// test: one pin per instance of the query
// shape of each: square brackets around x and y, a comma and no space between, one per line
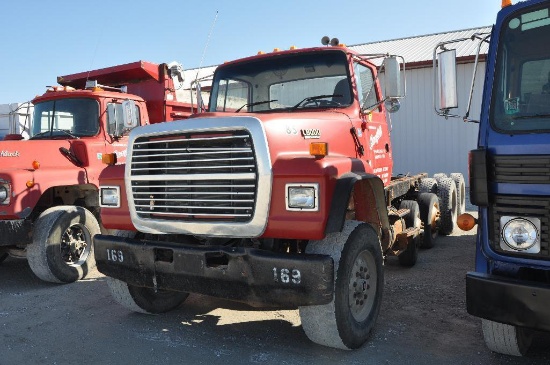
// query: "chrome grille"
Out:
[190,176]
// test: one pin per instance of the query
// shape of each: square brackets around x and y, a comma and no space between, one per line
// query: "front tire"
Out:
[347,321]
[62,247]
[506,339]
[142,299]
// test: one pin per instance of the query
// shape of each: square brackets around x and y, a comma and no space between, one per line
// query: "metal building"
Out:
[422,141]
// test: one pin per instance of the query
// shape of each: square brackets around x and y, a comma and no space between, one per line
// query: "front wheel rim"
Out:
[362,286]
[76,245]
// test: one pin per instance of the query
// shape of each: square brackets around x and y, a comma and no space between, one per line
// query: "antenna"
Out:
[95,52]
[200,103]
[206,45]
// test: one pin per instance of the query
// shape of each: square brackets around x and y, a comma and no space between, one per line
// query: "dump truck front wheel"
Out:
[62,246]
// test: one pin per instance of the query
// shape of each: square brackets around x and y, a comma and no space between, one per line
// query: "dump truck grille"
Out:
[190,176]
[524,206]
[533,169]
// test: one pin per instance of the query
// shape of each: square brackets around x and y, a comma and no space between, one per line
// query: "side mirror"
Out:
[392,105]
[129,116]
[121,116]
[392,78]
[448,96]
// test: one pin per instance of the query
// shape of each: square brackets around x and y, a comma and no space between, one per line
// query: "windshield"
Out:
[65,118]
[521,95]
[311,80]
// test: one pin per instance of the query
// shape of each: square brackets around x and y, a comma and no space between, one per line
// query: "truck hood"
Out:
[332,114]
[21,154]
[293,132]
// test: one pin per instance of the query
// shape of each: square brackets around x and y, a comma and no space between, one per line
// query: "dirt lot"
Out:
[423,321]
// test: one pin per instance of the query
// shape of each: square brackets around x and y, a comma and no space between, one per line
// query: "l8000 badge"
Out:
[311,133]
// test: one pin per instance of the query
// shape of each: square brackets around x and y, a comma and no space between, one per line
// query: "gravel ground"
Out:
[423,321]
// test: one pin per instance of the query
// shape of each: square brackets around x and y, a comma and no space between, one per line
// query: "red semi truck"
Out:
[282,195]
[49,207]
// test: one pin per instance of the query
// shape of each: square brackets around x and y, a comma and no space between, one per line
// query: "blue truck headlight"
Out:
[302,197]
[520,234]
[109,196]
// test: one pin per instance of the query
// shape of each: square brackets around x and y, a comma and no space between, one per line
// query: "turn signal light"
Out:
[466,221]
[109,158]
[35,165]
[30,184]
[318,149]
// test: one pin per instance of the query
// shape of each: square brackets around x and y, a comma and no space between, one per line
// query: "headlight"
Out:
[4,194]
[520,234]
[302,197]
[109,196]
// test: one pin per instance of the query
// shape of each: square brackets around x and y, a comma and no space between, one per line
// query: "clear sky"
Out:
[43,39]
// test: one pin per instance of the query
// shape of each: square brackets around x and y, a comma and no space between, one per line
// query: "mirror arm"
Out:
[482,38]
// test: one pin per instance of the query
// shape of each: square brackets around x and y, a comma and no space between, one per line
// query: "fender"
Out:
[369,199]
[116,218]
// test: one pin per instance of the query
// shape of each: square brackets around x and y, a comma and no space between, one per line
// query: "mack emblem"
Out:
[311,133]
[9,154]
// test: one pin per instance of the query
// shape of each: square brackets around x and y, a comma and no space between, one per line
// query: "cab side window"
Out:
[365,86]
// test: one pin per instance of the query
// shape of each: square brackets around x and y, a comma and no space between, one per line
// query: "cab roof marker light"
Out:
[506,3]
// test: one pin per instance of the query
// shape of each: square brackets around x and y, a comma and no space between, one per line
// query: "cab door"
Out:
[375,132]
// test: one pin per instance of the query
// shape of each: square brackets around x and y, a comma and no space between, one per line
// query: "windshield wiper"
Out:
[256,103]
[312,98]
[532,116]
[50,133]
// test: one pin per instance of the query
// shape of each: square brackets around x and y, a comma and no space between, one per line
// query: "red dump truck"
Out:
[49,207]
[281,195]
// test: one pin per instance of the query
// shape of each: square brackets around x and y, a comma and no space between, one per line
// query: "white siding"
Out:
[422,141]
[13,114]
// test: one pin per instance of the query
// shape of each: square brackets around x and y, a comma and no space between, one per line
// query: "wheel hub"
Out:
[74,244]
[361,286]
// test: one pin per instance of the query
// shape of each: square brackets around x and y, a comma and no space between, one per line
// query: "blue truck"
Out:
[509,174]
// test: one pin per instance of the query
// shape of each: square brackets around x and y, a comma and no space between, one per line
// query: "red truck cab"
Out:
[281,195]
[49,206]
